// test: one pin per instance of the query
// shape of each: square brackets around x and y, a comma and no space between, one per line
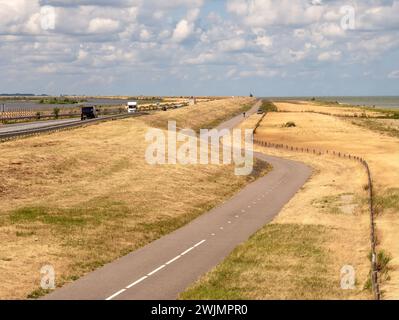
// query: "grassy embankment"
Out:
[79,199]
[196,118]
[326,225]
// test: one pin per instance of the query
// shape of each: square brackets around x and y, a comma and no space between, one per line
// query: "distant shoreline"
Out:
[384,102]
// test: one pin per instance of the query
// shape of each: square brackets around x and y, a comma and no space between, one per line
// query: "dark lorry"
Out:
[89,113]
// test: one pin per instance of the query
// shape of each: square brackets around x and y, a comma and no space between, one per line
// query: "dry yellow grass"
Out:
[328,220]
[300,255]
[81,198]
[381,151]
[301,106]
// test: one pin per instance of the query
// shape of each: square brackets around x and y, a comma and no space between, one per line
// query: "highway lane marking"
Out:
[116,294]
[155,271]
[187,251]
[136,282]
[237,216]
[199,243]
[229,222]
[243,211]
[173,260]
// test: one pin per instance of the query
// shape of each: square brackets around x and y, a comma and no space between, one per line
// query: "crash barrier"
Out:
[9,116]
[5,136]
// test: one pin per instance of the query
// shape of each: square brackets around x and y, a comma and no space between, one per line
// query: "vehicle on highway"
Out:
[88,113]
[132,107]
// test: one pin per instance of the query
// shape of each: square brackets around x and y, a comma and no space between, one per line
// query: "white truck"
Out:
[132,107]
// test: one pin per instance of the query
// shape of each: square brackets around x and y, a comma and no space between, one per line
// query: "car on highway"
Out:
[88,113]
[132,107]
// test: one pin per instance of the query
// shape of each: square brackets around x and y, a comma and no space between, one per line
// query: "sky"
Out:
[200,47]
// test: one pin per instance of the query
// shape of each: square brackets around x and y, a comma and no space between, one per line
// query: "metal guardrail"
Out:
[35,117]
[373,238]
[57,127]
[27,132]
[152,107]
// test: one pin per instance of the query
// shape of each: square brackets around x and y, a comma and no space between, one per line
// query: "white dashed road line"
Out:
[199,243]
[173,260]
[136,282]
[156,270]
[116,294]
[187,251]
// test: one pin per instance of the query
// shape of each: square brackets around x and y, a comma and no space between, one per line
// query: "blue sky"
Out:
[200,47]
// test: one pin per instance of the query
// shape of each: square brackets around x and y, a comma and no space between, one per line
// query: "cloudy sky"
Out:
[200,47]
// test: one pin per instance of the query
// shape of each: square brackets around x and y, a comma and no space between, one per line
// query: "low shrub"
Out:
[268,106]
[290,124]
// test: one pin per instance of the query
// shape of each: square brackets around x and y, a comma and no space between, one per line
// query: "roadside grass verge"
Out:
[281,261]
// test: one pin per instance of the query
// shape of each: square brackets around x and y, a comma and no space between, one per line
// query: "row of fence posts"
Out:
[259,122]
[374,262]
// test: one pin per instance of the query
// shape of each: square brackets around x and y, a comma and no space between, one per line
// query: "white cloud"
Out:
[394,74]
[124,38]
[101,25]
[260,13]
[203,58]
[264,41]
[235,44]
[182,31]
[330,56]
